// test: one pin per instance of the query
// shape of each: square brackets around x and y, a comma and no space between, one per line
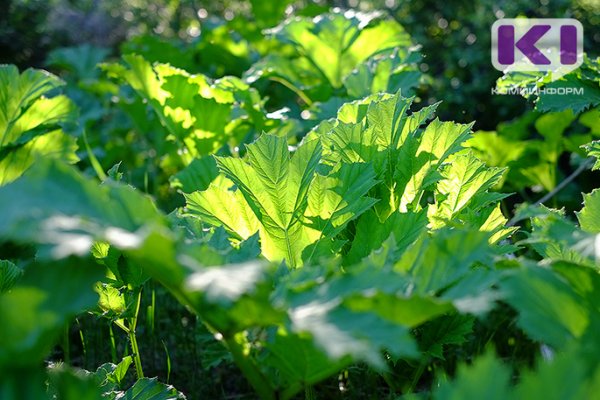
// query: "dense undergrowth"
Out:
[304,227]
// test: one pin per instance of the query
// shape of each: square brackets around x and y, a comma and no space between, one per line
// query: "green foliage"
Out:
[35,310]
[583,84]
[593,150]
[338,57]
[30,124]
[533,148]
[489,377]
[71,384]
[9,274]
[366,241]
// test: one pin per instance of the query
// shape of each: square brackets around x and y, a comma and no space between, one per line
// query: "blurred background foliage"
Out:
[224,38]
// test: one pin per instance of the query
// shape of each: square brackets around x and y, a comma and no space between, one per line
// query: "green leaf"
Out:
[561,378]
[356,313]
[385,73]
[21,106]
[29,121]
[119,373]
[446,330]
[68,383]
[298,361]
[71,211]
[9,275]
[495,149]
[111,300]
[465,181]
[578,102]
[340,197]
[200,114]
[275,187]
[34,312]
[232,297]
[476,292]
[268,13]
[114,173]
[549,309]
[557,238]
[220,205]
[371,233]
[196,176]
[438,261]
[487,378]
[148,388]
[327,49]
[576,91]
[489,219]
[81,60]
[341,332]
[589,216]
[593,150]
[17,160]
[421,158]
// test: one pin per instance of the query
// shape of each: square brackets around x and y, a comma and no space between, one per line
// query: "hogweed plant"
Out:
[373,243]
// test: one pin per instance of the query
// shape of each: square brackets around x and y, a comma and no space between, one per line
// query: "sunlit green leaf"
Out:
[589,217]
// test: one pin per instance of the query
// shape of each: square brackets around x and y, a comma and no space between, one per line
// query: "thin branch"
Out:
[584,166]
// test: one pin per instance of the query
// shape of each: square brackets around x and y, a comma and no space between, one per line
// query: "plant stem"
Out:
[250,370]
[93,160]
[132,338]
[113,344]
[83,345]
[309,393]
[585,165]
[294,89]
[136,355]
[417,377]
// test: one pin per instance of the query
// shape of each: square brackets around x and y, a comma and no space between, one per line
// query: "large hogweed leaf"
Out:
[30,122]
[275,186]
[70,383]
[295,205]
[439,261]
[378,130]
[384,73]
[72,211]
[55,144]
[411,163]
[556,304]
[371,233]
[361,53]
[465,183]
[220,205]
[338,198]
[420,159]
[200,114]
[22,107]
[75,214]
